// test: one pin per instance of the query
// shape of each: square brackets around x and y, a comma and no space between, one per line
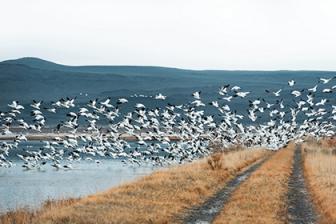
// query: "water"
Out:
[30,188]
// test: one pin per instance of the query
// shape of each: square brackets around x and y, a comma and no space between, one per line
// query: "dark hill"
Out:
[32,78]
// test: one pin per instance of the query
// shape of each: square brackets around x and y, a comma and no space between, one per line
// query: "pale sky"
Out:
[208,34]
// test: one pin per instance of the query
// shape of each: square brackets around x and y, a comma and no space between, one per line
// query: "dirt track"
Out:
[300,207]
[206,212]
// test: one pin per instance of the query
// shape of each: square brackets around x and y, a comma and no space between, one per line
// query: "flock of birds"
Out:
[171,134]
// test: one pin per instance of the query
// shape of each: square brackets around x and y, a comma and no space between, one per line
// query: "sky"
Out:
[195,34]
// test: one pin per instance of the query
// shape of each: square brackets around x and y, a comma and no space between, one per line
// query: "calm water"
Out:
[20,188]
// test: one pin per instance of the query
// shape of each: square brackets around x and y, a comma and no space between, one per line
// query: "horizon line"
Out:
[160,66]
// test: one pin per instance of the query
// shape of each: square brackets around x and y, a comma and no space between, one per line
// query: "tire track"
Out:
[300,207]
[206,212]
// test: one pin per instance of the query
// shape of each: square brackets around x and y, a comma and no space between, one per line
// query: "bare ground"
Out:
[300,207]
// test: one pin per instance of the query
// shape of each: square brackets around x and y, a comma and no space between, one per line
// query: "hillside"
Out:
[32,78]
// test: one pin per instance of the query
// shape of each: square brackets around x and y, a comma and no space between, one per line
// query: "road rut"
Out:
[207,212]
[300,207]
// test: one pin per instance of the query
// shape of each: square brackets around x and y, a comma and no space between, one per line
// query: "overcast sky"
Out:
[209,34]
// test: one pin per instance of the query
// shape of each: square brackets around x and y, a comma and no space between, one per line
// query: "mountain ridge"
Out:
[31,78]
[36,62]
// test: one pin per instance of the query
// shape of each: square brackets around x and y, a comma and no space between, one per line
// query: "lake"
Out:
[20,188]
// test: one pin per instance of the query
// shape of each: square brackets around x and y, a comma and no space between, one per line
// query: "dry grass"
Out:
[262,198]
[320,172]
[157,198]
[215,161]
[26,216]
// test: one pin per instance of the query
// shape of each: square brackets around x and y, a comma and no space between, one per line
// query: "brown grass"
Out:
[25,216]
[262,198]
[215,161]
[157,198]
[320,172]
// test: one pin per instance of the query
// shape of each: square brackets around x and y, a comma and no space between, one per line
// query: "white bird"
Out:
[122,101]
[277,93]
[322,102]
[198,103]
[296,93]
[214,103]
[106,103]
[160,97]
[313,89]
[242,94]
[223,90]
[252,116]
[140,106]
[291,82]
[325,81]
[197,95]
[327,90]
[228,98]
[235,88]
[51,110]
[36,105]
[15,105]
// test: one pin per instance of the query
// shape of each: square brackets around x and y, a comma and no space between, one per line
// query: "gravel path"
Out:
[300,208]
[210,209]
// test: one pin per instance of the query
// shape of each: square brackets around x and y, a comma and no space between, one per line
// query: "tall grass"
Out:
[28,216]
[320,172]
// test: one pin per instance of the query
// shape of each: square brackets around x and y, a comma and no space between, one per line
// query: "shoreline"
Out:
[193,182]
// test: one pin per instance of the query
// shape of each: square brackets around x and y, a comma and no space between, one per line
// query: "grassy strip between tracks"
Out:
[262,198]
